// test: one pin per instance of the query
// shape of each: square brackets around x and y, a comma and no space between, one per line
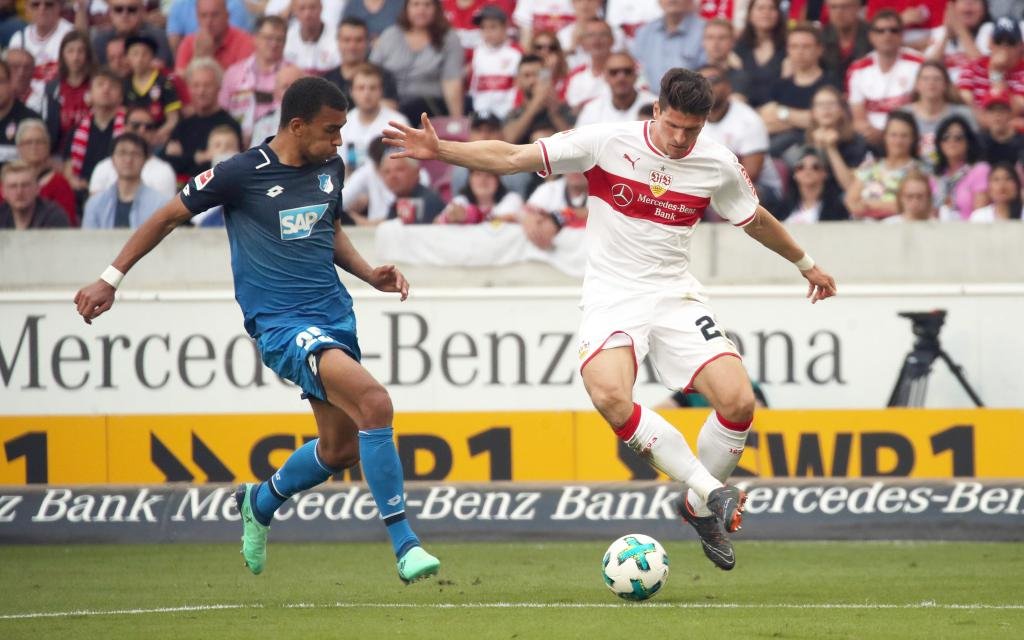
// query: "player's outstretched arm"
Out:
[768,231]
[94,299]
[384,278]
[494,156]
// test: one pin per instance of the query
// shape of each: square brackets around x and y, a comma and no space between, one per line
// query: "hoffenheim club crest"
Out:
[326,185]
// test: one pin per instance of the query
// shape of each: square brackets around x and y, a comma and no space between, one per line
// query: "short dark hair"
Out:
[307,96]
[806,28]
[109,74]
[352,21]
[6,68]
[275,21]
[685,91]
[887,14]
[130,138]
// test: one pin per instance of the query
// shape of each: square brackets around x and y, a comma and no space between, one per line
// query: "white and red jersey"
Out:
[461,18]
[316,57]
[630,15]
[643,206]
[543,15]
[46,52]
[881,92]
[583,85]
[603,109]
[493,82]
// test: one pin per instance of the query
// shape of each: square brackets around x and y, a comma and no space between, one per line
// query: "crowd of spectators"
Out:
[884,110]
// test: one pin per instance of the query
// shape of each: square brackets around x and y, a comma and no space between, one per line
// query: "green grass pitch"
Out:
[518,590]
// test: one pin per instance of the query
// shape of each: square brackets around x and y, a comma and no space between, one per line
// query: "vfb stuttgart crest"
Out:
[660,181]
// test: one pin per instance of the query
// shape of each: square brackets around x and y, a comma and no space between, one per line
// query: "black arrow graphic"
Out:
[166,461]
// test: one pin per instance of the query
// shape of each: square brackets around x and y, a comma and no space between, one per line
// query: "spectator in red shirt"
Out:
[33,143]
[215,38]
[1002,73]
[67,91]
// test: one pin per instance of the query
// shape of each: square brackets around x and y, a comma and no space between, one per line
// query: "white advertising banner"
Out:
[493,349]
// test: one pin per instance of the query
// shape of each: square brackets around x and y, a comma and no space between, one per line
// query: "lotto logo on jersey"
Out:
[203,179]
[298,223]
[660,182]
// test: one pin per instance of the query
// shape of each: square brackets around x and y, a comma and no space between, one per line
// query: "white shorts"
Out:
[681,336]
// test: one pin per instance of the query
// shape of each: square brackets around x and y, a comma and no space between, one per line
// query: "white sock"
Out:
[666,449]
[719,448]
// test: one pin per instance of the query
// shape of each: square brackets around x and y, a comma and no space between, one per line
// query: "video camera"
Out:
[926,324]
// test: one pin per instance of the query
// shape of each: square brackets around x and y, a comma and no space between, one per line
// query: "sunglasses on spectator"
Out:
[621,71]
[889,30]
[545,46]
[148,126]
[122,8]
[45,5]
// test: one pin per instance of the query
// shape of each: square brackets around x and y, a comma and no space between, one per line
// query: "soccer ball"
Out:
[635,567]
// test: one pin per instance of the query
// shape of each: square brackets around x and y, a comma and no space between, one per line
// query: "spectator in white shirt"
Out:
[369,117]
[587,82]
[42,39]
[736,125]
[571,36]
[495,62]
[311,44]
[157,174]
[883,80]
[622,102]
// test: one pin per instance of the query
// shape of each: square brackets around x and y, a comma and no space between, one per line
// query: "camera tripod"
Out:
[912,382]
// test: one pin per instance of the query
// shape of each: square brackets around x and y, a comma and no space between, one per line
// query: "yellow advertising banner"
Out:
[518,446]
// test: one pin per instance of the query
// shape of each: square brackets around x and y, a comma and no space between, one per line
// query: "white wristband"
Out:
[112,276]
[804,263]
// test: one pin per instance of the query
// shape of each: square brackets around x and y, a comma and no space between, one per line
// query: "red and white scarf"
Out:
[80,139]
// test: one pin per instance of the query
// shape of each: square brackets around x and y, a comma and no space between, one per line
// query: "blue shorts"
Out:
[290,351]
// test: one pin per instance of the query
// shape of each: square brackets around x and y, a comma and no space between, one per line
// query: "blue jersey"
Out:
[280,223]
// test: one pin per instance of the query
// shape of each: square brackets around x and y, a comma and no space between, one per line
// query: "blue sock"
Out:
[383,472]
[302,470]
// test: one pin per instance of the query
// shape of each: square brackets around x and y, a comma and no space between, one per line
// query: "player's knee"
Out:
[375,409]
[340,455]
[613,403]
[738,406]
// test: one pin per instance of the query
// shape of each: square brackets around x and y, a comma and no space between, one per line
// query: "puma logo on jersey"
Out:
[298,223]
[632,161]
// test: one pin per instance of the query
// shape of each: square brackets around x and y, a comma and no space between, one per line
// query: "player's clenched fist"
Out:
[94,299]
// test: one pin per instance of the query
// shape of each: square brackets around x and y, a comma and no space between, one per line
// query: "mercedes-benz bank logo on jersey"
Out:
[622,194]
[298,223]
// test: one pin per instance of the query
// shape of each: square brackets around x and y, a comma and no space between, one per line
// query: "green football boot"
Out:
[417,564]
[254,534]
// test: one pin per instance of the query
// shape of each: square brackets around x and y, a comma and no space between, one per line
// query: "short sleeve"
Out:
[571,151]
[735,200]
[215,186]
[856,93]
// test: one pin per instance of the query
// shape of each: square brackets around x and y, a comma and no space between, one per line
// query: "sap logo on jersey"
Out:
[298,223]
